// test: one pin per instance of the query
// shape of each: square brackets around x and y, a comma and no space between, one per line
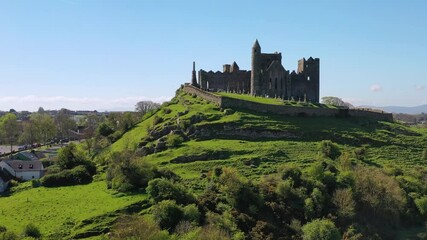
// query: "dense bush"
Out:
[168,214]
[157,120]
[75,176]
[126,172]
[69,157]
[104,130]
[320,229]
[31,230]
[424,156]
[421,204]
[8,236]
[329,149]
[162,189]
[379,196]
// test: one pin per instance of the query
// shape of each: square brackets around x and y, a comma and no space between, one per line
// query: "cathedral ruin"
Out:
[267,78]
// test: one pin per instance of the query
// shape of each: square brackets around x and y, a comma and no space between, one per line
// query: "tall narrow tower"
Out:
[256,69]
[193,76]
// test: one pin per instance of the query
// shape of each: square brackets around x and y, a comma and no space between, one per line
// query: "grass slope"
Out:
[237,139]
[63,208]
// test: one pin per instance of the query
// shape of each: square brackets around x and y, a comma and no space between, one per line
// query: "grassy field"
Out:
[64,208]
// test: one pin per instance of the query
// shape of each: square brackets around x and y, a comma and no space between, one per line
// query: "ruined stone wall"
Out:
[380,116]
[203,94]
[238,81]
[227,102]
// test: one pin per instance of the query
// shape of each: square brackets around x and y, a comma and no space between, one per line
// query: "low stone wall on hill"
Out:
[227,102]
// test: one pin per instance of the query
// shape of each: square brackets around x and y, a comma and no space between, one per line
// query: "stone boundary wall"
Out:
[203,94]
[227,102]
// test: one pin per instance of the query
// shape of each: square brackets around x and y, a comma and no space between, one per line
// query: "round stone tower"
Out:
[256,69]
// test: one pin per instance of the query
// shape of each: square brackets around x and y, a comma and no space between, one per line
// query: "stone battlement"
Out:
[227,102]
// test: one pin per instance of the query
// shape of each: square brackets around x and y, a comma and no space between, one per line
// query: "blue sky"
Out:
[93,54]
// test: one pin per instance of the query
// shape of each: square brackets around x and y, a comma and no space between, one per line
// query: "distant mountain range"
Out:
[407,110]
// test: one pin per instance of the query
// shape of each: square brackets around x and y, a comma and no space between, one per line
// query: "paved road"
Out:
[6,148]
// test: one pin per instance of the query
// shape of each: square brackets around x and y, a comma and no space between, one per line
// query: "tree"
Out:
[320,229]
[64,122]
[44,125]
[145,106]
[9,128]
[336,102]
[69,157]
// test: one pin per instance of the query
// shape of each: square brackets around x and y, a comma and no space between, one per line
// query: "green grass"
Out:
[387,143]
[87,207]
[273,101]
[53,209]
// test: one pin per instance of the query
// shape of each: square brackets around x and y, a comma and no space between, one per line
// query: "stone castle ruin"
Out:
[267,78]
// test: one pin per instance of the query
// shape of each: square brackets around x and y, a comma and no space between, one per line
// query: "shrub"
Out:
[125,172]
[3,229]
[167,214]
[320,229]
[174,140]
[191,213]
[329,149]
[31,230]
[380,197]
[424,156]
[162,189]
[421,204]
[157,120]
[8,236]
[104,130]
[75,176]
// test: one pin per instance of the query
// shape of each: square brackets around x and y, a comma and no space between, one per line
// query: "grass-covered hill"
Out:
[195,139]
[235,174]
[257,143]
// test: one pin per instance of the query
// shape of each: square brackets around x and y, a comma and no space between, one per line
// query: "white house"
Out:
[24,170]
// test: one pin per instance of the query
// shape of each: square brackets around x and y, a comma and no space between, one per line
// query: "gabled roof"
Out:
[273,64]
[26,156]
[23,166]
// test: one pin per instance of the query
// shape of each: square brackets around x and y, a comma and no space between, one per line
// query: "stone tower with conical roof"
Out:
[256,67]
[193,76]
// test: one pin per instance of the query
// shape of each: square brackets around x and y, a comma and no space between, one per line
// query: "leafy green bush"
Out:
[162,189]
[191,213]
[174,140]
[157,120]
[168,214]
[424,156]
[104,130]
[3,229]
[8,236]
[320,229]
[69,157]
[421,204]
[126,172]
[31,230]
[329,149]
[379,196]
[75,176]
